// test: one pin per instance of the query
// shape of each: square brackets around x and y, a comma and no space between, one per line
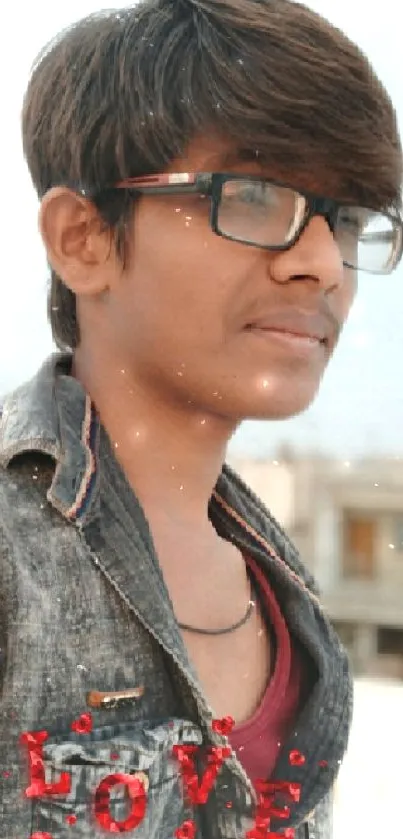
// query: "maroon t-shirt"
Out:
[257,741]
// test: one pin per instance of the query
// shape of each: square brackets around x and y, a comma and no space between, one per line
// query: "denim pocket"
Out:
[143,751]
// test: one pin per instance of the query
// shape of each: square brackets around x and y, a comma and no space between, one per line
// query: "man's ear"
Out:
[77,241]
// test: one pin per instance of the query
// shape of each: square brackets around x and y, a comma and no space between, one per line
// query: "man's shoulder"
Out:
[15,508]
[23,486]
[31,439]
[29,415]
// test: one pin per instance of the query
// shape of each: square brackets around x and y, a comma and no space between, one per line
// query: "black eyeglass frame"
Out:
[210,184]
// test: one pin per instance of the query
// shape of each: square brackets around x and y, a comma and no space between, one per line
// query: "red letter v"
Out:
[198,791]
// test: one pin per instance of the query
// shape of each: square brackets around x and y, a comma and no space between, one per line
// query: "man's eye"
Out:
[258,194]
[251,196]
[351,220]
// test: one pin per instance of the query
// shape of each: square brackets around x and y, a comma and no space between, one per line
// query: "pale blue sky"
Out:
[360,406]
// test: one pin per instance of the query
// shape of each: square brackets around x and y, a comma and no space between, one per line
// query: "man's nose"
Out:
[315,255]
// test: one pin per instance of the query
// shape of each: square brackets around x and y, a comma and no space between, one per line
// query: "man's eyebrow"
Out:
[320,183]
[234,158]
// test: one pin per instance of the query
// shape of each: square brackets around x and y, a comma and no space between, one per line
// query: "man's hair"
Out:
[122,93]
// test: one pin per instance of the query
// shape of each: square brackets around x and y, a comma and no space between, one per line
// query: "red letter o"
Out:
[136,792]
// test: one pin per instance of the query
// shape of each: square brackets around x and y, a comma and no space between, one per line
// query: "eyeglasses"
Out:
[271,215]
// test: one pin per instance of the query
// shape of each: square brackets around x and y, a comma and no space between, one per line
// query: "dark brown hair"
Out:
[121,94]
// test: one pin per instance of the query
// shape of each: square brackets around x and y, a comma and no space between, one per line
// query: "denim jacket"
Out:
[84,608]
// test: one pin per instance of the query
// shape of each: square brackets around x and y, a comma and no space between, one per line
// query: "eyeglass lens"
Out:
[261,213]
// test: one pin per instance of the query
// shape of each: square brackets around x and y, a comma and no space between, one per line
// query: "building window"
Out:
[390,641]
[360,538]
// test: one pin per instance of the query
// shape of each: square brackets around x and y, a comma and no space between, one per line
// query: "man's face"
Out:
[212,322]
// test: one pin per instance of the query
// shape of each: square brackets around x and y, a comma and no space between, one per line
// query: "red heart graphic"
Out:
[223,726]
[187,830]
[83,725]
[71,819]
[297,758]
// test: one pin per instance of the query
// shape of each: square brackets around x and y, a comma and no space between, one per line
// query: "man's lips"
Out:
[314,326]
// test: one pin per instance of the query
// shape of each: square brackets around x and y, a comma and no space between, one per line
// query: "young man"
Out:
[212,174]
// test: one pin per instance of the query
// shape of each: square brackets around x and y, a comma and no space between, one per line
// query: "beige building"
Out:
[347,520]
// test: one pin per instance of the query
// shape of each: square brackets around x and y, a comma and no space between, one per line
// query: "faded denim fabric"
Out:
[84,607]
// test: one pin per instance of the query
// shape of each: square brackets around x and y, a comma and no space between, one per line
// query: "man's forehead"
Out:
[214,154]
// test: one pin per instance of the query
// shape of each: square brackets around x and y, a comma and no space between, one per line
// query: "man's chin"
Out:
[277,415]
[282,406]
[270,401]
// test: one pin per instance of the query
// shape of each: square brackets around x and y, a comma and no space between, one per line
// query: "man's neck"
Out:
[172,454]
